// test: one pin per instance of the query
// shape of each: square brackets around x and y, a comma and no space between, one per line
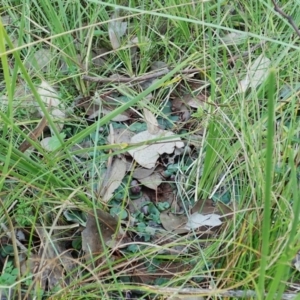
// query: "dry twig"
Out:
[286,16]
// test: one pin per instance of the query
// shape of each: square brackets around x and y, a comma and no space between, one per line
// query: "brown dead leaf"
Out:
[189,100]
[174,223]
[120,136]
[176,206]
[34,134]
[147,155]
[140,173]
[203,215]
[181,108]
[95,238]
[208,206]
[119,118]
[152,181]
[177,104]
[164,193]
[152,124]
[197,101]
[208,213]
[112,179]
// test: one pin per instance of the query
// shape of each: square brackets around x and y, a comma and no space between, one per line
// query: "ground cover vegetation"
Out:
[149,149]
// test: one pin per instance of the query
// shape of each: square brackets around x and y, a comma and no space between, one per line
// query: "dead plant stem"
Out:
[286,16]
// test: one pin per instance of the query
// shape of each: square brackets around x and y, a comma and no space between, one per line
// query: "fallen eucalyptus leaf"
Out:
[140,173]
[112,179]
[147,155]
[174,223]
[120,136]
[197,220]
[92,243]
[152,124]
[50,98]
[256,74]
[116,29]
[235,38]
[152,181]
[208,206]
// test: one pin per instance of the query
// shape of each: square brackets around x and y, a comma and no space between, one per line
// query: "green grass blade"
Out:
[267,204]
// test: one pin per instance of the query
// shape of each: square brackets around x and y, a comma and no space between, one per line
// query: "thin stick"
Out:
[286,16]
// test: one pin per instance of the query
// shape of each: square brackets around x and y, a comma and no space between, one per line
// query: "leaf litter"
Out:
[149,217]
[134,181]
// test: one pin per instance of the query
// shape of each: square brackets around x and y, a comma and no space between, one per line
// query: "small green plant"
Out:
[24,214]
[9,275]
